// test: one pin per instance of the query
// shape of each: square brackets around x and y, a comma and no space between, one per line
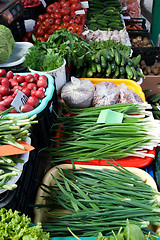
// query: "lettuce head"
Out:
[7,43]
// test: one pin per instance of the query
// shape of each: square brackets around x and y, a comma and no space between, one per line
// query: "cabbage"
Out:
[7,43]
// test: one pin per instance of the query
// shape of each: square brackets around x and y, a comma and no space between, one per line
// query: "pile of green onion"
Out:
[98,201]
[80,138]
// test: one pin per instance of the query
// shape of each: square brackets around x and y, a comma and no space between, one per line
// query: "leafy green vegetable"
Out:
[7,43]
[17,227]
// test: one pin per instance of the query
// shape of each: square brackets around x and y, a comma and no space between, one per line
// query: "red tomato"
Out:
[73,14]
[45,26]
[66,18]
[57,16]
[40,32]
[57,4]
[65,24]
[65,4]
[40,39]
[75,6]
[72,29]
[74,1]
[46,36]
[65,11]
[77,19]
[41,17]
[2,72]
[47,15]
[38,23]
[29,35]
[51,8]
[51,30]
[58,22]
[71,21]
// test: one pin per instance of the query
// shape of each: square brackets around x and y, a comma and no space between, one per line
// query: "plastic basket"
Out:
[148,54]
[40,214]
[141,22]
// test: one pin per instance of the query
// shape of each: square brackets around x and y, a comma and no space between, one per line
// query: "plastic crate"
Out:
[22,196]
[32,12]
[18,29]
[141,22]
[148,54]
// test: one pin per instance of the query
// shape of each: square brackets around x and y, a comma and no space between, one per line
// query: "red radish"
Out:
[29,78]
[24,84]
[13,82]
[33,92]
[9,74]
[26,91]
[13,111]
[2,72]
[1,98]
[5,82]
[26,108]
[16,76]
[20,79]
[40,94]
[34,101]
[36,76]
[32,86]
[2,108]
[41,89]
[7,101]
[42,83]
[16,87]
[4,90]
[15,93]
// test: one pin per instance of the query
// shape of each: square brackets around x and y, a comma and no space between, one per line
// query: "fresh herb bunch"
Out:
[16,226]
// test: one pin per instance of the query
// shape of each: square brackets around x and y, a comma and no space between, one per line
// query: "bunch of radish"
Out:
[32,85]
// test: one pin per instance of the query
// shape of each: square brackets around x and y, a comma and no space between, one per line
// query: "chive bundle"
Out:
[98,201]
[80,138]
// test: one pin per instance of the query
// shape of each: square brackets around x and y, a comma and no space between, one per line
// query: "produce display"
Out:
[32,85]
[104,15]
[98,200]
[58,15]
[85,135]
[27,3]
[7,43]
[154,100]
[13,225]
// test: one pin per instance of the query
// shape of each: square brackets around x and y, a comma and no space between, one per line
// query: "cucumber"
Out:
[98,67]
[137,60]
[89,73]
[122,70]
[98,57]
[117,57]
[108,70]
[93,68]
[135,74]
[130,63]
[129,72]
[113,67]
[103,62]
[123,60]
[117,71]
[84,73]
[107,55]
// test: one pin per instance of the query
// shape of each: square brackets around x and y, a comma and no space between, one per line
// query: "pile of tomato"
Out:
[58,15]
[32,85]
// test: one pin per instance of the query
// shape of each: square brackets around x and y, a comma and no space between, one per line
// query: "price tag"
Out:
[85,4]
[126,17]
[80,12]
[19,100]
[124,8]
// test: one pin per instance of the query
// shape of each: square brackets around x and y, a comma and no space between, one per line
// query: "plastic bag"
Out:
[78,93]
[133,8]
[106,93]
[127,95]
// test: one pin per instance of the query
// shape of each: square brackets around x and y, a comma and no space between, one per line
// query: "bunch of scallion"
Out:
[80,138]
[98,201]
[14,129]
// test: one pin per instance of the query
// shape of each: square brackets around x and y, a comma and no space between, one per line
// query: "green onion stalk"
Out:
[79,137]
[97,201]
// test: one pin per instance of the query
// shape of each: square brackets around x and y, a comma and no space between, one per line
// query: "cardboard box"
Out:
[152,83]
